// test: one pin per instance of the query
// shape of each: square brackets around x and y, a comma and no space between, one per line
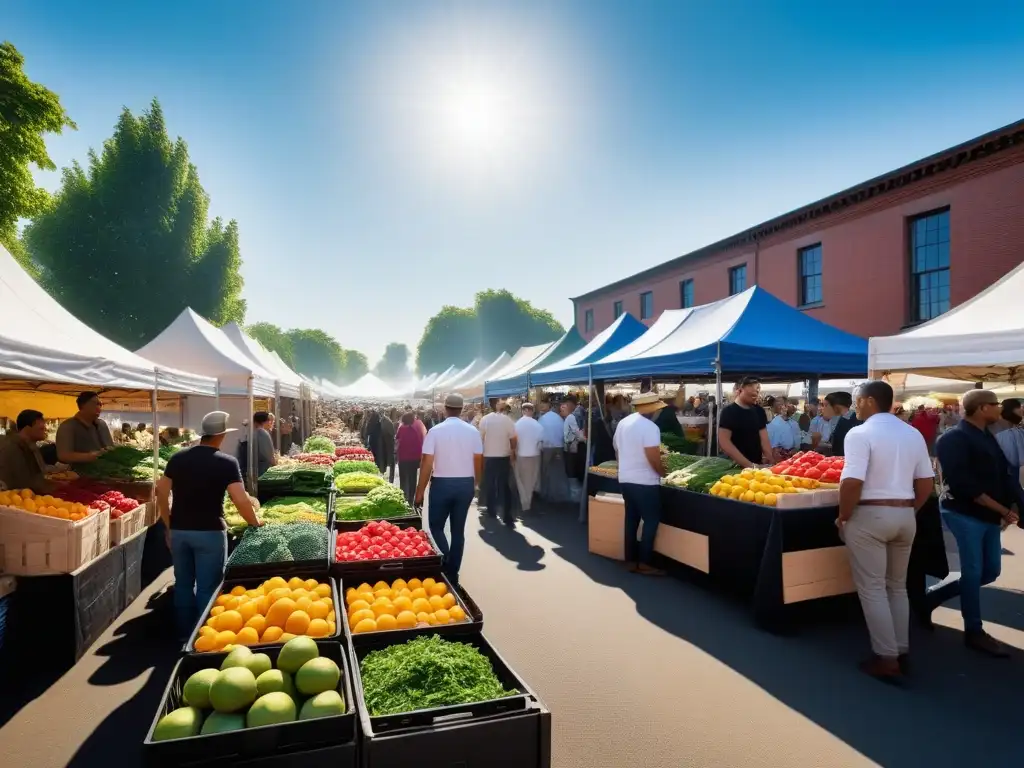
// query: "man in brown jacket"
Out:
[21,464]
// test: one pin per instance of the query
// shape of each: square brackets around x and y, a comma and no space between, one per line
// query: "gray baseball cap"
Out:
[216,423]
[454,400]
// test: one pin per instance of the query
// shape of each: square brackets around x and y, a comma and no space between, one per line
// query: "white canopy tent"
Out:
[289,382]
[980,340]
[473,387]
[44,347]
[456,380]
[370,386]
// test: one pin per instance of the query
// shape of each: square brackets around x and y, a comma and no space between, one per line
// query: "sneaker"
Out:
[982,642]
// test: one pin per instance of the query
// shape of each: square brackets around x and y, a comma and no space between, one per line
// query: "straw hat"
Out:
[648,403]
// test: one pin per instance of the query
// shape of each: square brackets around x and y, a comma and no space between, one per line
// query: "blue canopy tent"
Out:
[573,367]
[515,381]
[749,333]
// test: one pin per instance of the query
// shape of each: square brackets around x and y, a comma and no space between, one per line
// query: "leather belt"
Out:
[886,503]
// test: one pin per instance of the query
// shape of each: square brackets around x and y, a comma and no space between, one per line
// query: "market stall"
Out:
[514,379]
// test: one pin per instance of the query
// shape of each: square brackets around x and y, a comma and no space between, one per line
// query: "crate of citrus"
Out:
[760,486]
[267,613]
[42,534]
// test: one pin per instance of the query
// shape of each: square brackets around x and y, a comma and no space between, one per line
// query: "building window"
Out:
[737,279]
[929,266]
[646,305]
[686,293]
[588,320]
[809,260]
[618,309]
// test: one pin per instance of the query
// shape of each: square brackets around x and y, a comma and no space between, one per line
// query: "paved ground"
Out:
[638,672]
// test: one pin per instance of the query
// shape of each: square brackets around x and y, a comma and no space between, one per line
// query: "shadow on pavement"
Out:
[144,643]
[957,706]
[511,544]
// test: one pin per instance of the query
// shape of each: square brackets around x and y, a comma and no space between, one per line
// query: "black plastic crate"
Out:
[475,624]
[250,583]
[286,568]
[522,740]
[422,718]
[339,756]
[251,742]
[366,568]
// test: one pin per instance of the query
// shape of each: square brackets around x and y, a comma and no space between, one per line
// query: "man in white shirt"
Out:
[780,432]
[529,438]
[553,482]
[886,479]
[452,462]
[819,426]
[637,444]
[498,433]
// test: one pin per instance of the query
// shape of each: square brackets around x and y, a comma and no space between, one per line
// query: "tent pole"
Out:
[156,433]
[277,405]
[589,443]
[715,416]
[250,447]
[216,396]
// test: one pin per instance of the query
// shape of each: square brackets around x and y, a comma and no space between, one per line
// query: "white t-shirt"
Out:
[634,433]
[551,423]
[497,431]
[530,435]
[780,433]
[888,455]
[453,443]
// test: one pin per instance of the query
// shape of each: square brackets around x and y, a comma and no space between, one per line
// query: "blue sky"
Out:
[386,158]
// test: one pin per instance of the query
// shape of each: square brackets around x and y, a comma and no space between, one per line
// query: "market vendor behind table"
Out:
[84,437]
[21,463]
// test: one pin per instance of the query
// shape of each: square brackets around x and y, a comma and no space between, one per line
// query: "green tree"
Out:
[28,111]
[394,364]
[355,365]
[274,339]
[498,322]
[127,243]
[317,354]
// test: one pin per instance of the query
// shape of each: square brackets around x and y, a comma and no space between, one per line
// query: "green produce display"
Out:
[678,444]
[676,461]
[238,700]
[123,462]
[296,478]
[341,467]
[280,544]
[281,510]
[701,475]
[357,482]
[380,503]
[317,444]
[425,673]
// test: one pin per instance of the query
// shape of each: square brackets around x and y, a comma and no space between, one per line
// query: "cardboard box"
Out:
[606,523]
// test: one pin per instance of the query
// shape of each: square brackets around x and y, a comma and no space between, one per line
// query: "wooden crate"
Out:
[127,525]
[37,545]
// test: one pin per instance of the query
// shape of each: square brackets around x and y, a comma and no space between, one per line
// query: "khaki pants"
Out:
[527,472]
[879,541]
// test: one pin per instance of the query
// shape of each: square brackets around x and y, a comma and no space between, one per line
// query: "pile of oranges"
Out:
[27,501]
[274,612]
[401,605]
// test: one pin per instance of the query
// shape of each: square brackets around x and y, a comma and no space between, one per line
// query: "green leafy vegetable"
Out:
[425,673]
[317,444]
[357,482]
[340,467]
[280,544]
[675,461]
[678,444]
[379,504]
[297,478]
[123,462]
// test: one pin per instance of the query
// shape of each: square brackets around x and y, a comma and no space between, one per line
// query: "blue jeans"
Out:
[450,498]
[981,555]
[497,471]
[643,502]
[198,558]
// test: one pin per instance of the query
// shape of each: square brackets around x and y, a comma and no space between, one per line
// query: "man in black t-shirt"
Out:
[743,427]
[196,536]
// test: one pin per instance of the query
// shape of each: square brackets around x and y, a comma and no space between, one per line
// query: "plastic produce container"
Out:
[228,584]
[365,569]
[475,624]
[263,571]
[287,743]
[514,732]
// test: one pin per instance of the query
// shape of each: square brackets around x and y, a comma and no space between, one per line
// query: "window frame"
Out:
[617,309]
[801,277]
[733,271]
[913,286]
[643,314]
[588,320]
[683,285]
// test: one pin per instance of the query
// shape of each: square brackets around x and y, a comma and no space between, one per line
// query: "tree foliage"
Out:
[394,364]
[274,339]
[126,244]
[27,112]
[498,322]
[311,352]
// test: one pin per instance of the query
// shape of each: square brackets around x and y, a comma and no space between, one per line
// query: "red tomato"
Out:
[813,473]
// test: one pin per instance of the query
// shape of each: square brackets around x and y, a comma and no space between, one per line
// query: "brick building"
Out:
[874,259]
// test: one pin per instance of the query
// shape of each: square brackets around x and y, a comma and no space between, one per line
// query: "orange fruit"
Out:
[278,594]
[205,631]
[457,613]
[232,603]
[438,589]
[230,621]
[238,591]
[262,605]
[350,595]
[323,590]
[406,620]
[431,619]
[357,605]
[299,593]
[386,622]
[275,582]
[303,603]
[248,610]
[418,593]
[222,598]
[271,635]
[449,600]
[247,636]
[422,618]
[330,617]
[285,637]
[320,610]
[311,584]
[398,584]
[259,623]
[295,582]
[329,602]
[442,616]
[358,616]
[332,628]
[217,610]
[224,638]
[365,595]
[403,604]
[381,585]
[297,623]
[280,611]
[428,583]
[384,609]
[421,605]
[206,643]
[405,592]
[366,625]
[414,584]
[382,593]
[436,602]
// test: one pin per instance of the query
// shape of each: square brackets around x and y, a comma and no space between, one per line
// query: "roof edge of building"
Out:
[948,159]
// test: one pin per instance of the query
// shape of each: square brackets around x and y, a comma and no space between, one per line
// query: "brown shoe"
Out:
[982,642]
[886,670]
[648,570]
